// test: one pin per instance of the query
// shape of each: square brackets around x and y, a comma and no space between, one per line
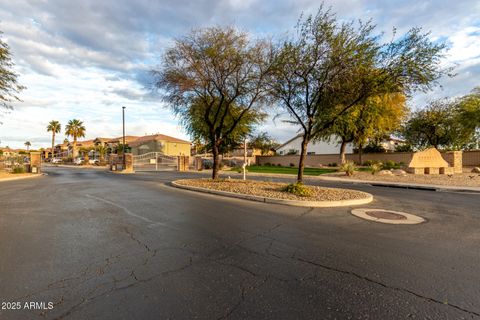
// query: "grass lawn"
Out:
[289,170]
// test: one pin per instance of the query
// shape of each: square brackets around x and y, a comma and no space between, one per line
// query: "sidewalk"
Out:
[24,176]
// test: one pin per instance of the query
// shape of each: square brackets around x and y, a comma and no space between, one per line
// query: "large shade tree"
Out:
[27,144]
[75,129]
[329,67]
[375,119]
[214,80]
[9,86]
[440,124]
[54,127]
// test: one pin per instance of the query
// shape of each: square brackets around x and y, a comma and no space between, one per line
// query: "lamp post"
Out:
[123,120]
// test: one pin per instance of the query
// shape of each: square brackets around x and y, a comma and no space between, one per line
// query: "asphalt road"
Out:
[97,245]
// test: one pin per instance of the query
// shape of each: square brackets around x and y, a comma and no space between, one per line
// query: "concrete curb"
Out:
[23,177]
[75,166]
[317,204]
[429,187]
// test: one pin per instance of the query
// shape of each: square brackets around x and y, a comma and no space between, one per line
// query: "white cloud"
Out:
[85,59]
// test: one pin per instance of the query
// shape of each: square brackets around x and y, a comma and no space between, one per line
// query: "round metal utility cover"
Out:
[387,216]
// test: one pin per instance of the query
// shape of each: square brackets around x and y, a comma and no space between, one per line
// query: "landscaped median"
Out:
[274,192]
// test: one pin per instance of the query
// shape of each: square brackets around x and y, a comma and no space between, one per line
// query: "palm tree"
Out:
[55,127]
[27,144]
[76,129]
[102,149]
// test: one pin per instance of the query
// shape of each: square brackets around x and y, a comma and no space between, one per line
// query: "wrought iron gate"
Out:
[154,161]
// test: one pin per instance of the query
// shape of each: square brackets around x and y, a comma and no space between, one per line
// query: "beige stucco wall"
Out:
[469,158]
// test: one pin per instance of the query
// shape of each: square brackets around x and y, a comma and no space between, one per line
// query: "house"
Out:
[294,146]
[392,143]
[160,143]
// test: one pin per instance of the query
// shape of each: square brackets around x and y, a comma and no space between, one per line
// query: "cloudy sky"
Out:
[86,59]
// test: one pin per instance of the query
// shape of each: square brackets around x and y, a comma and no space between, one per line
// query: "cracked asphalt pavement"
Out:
[99,245]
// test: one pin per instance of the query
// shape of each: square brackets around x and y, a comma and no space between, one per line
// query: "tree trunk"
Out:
[216,162]
[303,155]
[53,144]
[360,154]
[343,147]
[74,151]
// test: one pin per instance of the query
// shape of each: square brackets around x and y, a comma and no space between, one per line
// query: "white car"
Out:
[78,161]
[94,162]
[56,160]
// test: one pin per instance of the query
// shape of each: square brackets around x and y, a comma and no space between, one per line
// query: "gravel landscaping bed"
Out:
[273,190]
[459,179]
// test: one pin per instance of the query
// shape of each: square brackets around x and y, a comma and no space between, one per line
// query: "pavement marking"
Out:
[151,223]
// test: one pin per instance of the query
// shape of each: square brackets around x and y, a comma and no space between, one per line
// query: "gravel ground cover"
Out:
[459,179]
[273,189]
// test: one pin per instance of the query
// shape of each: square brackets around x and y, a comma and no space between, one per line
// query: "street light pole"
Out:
[123,120]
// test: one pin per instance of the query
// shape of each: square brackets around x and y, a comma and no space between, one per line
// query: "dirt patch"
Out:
[7,175]
[273,190]
[459,179]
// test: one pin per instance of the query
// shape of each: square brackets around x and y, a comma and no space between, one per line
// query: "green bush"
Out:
[298,189]
[389,164]
[368,163]
[348,167]
[375,167]
[18,170]
[292,165]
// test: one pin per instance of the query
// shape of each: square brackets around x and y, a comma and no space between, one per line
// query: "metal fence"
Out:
[154,161]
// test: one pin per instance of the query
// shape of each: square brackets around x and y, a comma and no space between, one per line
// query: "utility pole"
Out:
[123,119]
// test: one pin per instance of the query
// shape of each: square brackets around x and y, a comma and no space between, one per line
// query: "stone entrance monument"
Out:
[429,161]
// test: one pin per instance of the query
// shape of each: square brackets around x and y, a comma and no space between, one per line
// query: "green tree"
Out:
[9,86]
[328,67]
[75,129]
[27,144]
[54,127]
[469,108]
[438,125]
[264,142]
[214,79]
[374,120]
[102,150]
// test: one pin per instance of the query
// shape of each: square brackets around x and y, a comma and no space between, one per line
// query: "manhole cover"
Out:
[386,215]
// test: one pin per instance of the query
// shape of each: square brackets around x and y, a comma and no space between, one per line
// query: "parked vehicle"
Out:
[56,160]
[78,161]
[95,162]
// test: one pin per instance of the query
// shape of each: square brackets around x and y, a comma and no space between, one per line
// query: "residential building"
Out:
[160,143]
[294,146]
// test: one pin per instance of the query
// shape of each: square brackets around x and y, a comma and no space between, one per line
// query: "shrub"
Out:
[267,164]
[375,167]
[292,165]
[348,167]
[18,170]
[207,164]
[368,163]
[389,164]
[298,189]
[333,164]
[279,164]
